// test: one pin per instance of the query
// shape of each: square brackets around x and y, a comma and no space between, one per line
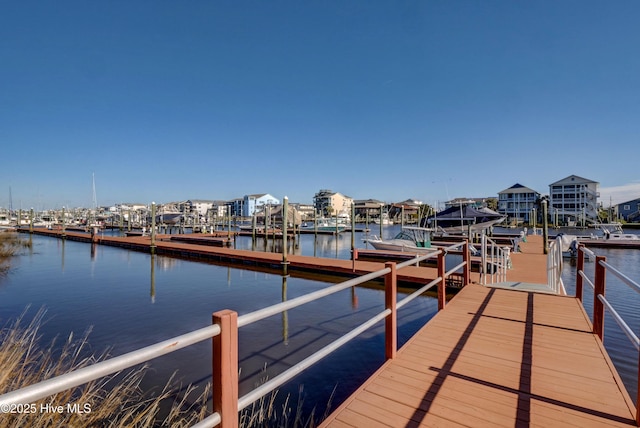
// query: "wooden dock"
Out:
[203,247]
[497,357]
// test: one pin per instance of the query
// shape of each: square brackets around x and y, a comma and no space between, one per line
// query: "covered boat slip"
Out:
[496,357]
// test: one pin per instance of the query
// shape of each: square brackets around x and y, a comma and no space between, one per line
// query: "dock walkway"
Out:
[497,357]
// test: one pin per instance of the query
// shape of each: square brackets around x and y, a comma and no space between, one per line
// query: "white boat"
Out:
[463,219]
[168,214]
[324,224]
[614,232]
[384,220]
[415,240]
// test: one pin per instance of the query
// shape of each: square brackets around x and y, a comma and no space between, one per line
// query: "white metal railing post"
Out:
[483,260]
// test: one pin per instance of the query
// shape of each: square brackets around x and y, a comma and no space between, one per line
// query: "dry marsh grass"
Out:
[112,401]
[10,245]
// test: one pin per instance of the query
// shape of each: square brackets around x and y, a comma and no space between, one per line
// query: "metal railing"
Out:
[495,261]
[224,332]
[554,267]
[600,302]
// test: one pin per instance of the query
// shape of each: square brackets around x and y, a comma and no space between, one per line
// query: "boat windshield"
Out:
[420,236]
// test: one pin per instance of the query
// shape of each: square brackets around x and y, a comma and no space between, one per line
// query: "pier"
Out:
[504,355]
[513,353]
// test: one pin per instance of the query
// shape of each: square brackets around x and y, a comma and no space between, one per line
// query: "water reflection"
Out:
[285,314]
[153,278]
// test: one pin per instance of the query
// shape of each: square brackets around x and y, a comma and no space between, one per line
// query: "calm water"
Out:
[133,299]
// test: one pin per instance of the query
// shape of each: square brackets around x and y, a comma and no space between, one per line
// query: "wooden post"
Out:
[153,227]
[63,224]
[380,218]
[467,267]
[390,322]
[442,291]
[598,306]
[545,228]
[580,267]
[353,237]
[225,368]
[31,221]
[285,226]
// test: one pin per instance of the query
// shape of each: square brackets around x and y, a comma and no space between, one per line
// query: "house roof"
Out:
[518,188]
[631,202]
[572,179]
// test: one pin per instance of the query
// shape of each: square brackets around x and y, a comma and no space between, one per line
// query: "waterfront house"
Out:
[629,211]
[371,207]
[256,203]
[198,206]
[409,208]
[574,200]
[518,202]
[328,202]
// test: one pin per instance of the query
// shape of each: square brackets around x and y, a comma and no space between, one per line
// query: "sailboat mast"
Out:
[95,198]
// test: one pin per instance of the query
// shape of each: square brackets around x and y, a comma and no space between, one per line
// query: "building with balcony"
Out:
[332,203]
[518,202]
[255,203]
[573,201]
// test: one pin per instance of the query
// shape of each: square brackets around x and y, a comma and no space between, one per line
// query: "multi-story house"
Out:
[198,206]
[518,202]
[574,200]
[255,203]
[630,210]
[331,203]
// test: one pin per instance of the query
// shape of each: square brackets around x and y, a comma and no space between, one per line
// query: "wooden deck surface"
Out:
[497,358]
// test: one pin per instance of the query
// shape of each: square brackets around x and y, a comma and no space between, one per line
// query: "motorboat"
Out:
[614,232]
[415,240]
[326,224]
[168,214]
[384,220]
[463,219]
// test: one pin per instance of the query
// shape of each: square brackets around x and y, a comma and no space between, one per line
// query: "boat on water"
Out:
[614,232]
[410,240]
[168,214]
[463,219]
[326,224]
[384,220]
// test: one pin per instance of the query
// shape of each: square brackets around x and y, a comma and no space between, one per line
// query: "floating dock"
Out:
[503,356]
[204,247]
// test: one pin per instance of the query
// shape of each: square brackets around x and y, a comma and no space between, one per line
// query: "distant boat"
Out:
[463,219]
[384,220]
[614,232]
[168,214]
[324,224]
[410,240]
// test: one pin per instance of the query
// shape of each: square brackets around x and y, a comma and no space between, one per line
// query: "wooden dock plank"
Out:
[498,357]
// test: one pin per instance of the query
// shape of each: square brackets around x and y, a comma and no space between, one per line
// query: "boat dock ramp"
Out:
[518,352]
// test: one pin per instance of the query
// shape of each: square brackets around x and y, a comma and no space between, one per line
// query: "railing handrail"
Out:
[113,365]
[554,267]
[600,302]
[494,255]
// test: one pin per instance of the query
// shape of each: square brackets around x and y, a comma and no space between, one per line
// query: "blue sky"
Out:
[167,100]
